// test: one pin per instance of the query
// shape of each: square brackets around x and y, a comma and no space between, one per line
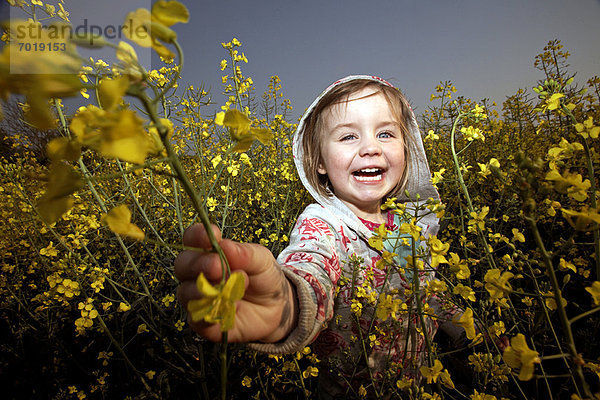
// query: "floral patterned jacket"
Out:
[335,272]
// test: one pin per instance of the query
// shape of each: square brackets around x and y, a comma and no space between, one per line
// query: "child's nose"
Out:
[370,146]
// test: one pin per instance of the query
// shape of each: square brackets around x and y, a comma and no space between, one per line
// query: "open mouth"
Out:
[368,174]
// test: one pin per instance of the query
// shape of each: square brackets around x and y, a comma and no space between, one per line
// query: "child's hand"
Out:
[268,310]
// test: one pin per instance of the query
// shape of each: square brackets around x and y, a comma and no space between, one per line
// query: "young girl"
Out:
[357,145]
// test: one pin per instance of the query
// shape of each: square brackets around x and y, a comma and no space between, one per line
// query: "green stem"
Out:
[562,313]
[583,315]
[223,357]
[465,191]
[301,377]
[182,177]
[142,210]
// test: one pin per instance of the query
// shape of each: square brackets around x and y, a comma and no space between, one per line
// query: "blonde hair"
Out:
[313,130]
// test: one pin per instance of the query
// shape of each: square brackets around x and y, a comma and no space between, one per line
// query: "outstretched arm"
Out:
[267,313]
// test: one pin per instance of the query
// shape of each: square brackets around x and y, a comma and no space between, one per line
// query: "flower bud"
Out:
[161,31]
[88,40]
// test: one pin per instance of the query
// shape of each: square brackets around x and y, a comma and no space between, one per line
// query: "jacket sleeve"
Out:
[311,263]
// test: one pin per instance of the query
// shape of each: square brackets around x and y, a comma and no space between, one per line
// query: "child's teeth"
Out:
[374,174]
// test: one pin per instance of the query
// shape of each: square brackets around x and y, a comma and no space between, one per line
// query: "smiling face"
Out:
[362,151]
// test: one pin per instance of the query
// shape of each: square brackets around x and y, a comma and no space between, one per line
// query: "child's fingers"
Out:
[187,291]
[189,264]
[211,332]
[196,236]
[249,257]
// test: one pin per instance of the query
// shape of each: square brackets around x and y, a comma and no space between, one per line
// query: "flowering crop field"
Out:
[94,206]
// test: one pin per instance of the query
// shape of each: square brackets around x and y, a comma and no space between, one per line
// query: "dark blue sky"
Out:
[486,48]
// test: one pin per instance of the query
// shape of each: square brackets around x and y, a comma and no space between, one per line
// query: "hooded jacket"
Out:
[328,259]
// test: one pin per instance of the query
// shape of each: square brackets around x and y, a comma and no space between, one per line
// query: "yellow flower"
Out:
[485,168]
[482,396]
[405,383]
[113,133]
[519,356]
[586,219]
[124,307]
[471,133]
[467,322]
[432,373]
[240,130]
[587,129]
[49,251]
[497,284]
[458,267]
[119,221]
[387,306]
[41,75]
[518,236]
[446,379]
[379,235]
[436,286]
[478,112]
[128,64]
[478,219]
[553,102]
[564,150]
[572,184]
[146,28]
[217,304]
[310,371]
[565,265]
[464,291]
[61,148]
[438,251]
[412,229]
[362,392]
[356,307]
[57,199]
[594,290]
[550,301]
[497,329]
[111,91]
[247,381]
[211,204]
[437,176]
[431,135]
[594,367]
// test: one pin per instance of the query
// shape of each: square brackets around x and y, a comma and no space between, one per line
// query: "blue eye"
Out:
[385,135]
[347,137]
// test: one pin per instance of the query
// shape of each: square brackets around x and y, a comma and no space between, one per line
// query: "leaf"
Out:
[119,221]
